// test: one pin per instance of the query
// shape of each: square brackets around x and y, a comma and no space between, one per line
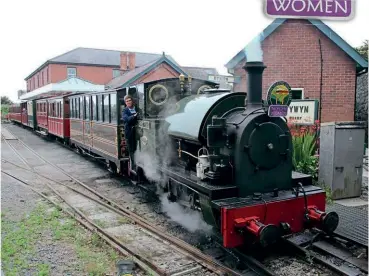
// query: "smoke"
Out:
[189,219]
[149,165]
[253,50]
[161,153]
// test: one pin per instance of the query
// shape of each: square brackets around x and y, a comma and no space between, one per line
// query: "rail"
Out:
[195,254]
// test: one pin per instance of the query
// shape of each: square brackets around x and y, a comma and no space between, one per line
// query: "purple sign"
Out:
[328,9]
[278,110]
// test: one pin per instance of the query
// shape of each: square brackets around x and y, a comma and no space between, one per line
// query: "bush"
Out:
[305,141]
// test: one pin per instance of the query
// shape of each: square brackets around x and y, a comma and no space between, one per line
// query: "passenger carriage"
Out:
[15,113]
[58,121]
[41,115]
[96,127]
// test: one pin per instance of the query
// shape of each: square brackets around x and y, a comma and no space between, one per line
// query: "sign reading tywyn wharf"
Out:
[320,9]
[302,112]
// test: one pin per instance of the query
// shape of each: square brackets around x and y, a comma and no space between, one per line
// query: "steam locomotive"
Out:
[212,150]
[222,154]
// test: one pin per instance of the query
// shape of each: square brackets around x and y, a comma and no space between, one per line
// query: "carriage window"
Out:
[77,107]
[100,108]
[93,107]
[81,108]
[71,108]
[113,107]
[60,110]
[87,108]
[106,108]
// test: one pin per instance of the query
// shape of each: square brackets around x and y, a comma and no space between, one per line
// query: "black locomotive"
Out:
[221,154]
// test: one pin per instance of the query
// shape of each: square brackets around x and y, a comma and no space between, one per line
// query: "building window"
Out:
[297,93]
[72,72]
[116,73]
[211,77]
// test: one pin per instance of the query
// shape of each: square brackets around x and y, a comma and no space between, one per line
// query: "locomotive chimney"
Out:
[254,71]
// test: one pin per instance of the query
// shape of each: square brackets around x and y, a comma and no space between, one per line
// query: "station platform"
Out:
[353,224]
[6,135]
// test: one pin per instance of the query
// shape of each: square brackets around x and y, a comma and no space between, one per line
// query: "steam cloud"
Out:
[189,219]
[253,50]
[162,155]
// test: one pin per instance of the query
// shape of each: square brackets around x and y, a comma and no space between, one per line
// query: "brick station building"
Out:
[97,66]
[313,59]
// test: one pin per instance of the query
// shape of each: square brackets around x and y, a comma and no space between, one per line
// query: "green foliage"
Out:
[19,240]
[4,110]
[6,100]
[303,158]
[363,49]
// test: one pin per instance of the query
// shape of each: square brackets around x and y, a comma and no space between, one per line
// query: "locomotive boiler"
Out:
[231,161]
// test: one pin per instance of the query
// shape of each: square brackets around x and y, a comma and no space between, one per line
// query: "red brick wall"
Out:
[163,71]
[94,74]
[39,79]
[292,54]
[58,72]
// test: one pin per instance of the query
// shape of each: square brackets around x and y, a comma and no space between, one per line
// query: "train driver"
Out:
[130,115]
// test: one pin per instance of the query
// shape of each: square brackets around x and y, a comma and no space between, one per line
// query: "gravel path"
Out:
[17,202]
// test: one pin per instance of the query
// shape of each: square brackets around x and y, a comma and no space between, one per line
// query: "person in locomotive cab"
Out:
[130,116]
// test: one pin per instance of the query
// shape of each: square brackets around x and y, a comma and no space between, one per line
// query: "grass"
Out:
[19,242]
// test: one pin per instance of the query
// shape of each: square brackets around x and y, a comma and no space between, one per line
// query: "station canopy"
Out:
[66,87]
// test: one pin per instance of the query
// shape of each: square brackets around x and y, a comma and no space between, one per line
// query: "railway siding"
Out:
[145,244]
[162,256]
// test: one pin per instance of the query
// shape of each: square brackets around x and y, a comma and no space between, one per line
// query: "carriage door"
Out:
[87,138]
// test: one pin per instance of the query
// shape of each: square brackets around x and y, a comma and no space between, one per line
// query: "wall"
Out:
[163,71]
[291,53]
[361,112]
[39,79]
[94,74]
[53,73]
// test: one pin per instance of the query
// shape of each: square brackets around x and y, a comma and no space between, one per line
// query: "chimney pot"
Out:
[131,61]
[123,61]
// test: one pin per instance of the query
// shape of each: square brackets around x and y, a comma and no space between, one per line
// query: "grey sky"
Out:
[194,33]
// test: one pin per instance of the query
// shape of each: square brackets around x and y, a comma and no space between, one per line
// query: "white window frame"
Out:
[302,93]
[71,75]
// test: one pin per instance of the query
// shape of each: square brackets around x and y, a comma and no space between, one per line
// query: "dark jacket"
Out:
[129,121]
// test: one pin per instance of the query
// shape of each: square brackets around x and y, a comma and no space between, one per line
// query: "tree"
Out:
[6,100]
[363,49]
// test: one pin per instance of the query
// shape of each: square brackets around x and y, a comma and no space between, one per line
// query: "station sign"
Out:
[279,98]
[313,9]
[303,112]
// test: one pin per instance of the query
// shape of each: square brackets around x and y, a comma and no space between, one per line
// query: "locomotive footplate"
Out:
[304,179]
[190,179]
[287,211]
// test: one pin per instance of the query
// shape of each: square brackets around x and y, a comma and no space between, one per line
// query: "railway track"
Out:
[311,250]
[152,249]
[335,253]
